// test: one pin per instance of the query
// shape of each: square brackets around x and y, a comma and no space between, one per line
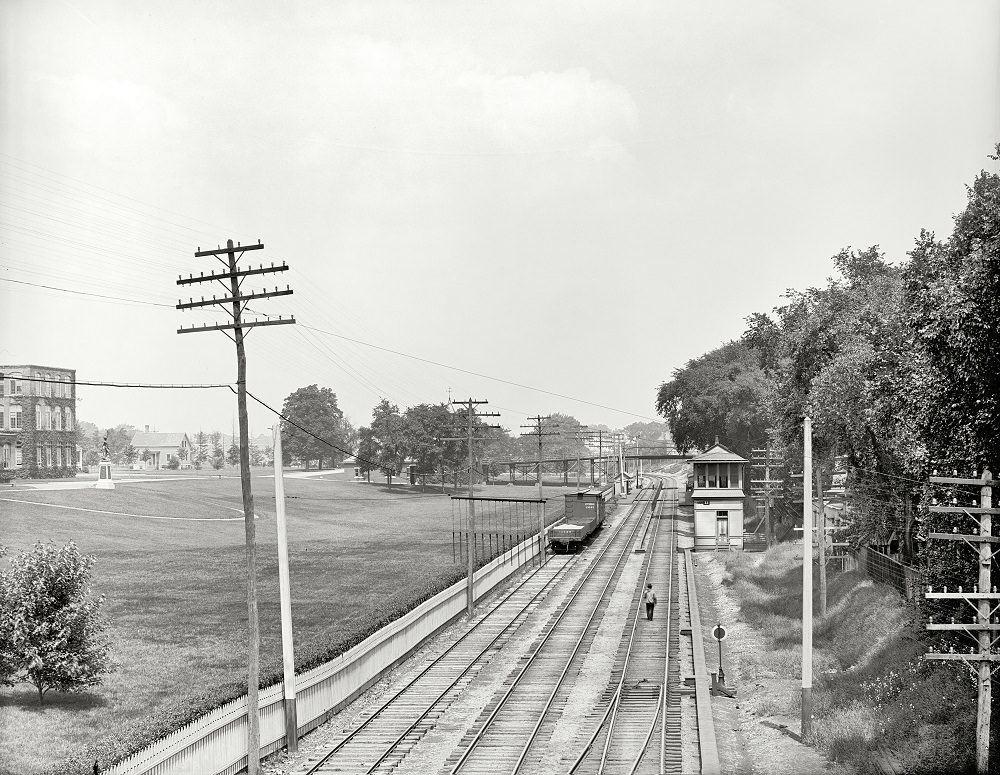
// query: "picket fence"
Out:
[216,743]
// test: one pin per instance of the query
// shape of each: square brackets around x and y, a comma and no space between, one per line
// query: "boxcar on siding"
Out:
[585,513]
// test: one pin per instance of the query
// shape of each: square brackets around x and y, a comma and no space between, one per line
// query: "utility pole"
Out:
[470,408]
[983,598]
[537,430]
[234,275]
[579,436]
[807,578]
[766,487]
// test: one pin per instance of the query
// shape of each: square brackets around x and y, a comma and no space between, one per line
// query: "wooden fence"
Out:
[216,743]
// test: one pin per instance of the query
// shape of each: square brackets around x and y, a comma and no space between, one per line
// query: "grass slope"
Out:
[871,690]
[176,592]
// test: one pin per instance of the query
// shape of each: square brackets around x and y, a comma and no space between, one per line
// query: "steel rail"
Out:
[631,640]
[448,652]
[664,697]
[651,530]
[461,675]
[569,662]
[474,742]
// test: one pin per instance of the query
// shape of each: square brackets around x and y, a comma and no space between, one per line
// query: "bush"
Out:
[51,629]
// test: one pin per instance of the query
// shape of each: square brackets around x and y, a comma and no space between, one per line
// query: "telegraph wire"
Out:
[478,374]
[84,293]
[378,347]
[119,384]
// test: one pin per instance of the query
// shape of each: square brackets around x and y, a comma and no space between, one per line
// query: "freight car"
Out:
[585,513]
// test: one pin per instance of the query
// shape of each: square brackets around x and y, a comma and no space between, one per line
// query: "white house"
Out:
[161,447]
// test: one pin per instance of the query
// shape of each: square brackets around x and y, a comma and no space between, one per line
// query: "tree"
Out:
[200,450]
[88,436]
[257,455]
[130,454]
[119,438]
[233,454]
[314,408]
[389,433]
[218,457]
[54,628]
[723,394]
[367,450]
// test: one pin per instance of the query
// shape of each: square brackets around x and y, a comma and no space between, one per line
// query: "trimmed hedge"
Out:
[139,734]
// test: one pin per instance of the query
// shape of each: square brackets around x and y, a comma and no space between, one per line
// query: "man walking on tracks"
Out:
[649,597]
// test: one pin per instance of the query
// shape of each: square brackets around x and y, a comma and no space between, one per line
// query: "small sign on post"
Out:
[719,685]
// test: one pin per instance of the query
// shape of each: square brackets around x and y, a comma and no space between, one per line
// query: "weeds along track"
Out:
[386,735]
[639,730]
[511,734]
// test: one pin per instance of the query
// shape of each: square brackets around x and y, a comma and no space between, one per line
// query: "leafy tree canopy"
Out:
[723,394]
[52,629]
[316,409]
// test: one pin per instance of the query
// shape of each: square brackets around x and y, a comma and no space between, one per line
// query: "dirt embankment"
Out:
[755,729]
[878,706]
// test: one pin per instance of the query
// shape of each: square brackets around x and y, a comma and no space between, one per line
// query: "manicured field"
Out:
[171,561]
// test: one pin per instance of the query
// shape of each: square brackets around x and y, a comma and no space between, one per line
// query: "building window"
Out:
[723,475]
[48,418]
[15,386]
[15,418]
[713,473]
[5,460]
[68,425]
[38,417]
[18,456]
[39,456]
[2,426]
[59,457]
[57,420]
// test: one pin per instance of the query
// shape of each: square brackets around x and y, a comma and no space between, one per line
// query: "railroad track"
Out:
[639,731]
[512,733]
[385,736]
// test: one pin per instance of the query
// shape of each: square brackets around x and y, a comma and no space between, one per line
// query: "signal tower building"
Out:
[718,498]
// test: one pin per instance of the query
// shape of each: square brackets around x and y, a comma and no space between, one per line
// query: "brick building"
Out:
[38,420]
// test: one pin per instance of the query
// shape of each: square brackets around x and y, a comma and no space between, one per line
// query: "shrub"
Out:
[51,631]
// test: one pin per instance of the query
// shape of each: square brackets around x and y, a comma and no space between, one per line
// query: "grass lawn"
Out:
[171,562]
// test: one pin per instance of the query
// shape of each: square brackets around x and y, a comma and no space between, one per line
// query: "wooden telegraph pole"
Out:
[470,409]
[766,488]
[983,598]
[230,279]
[537,430]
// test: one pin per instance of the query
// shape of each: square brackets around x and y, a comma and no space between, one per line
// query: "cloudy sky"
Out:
[547,205]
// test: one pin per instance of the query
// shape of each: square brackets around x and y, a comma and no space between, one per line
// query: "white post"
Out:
[541,535]
[807,579]
[284,586]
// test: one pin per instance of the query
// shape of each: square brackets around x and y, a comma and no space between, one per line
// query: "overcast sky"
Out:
[575,197]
